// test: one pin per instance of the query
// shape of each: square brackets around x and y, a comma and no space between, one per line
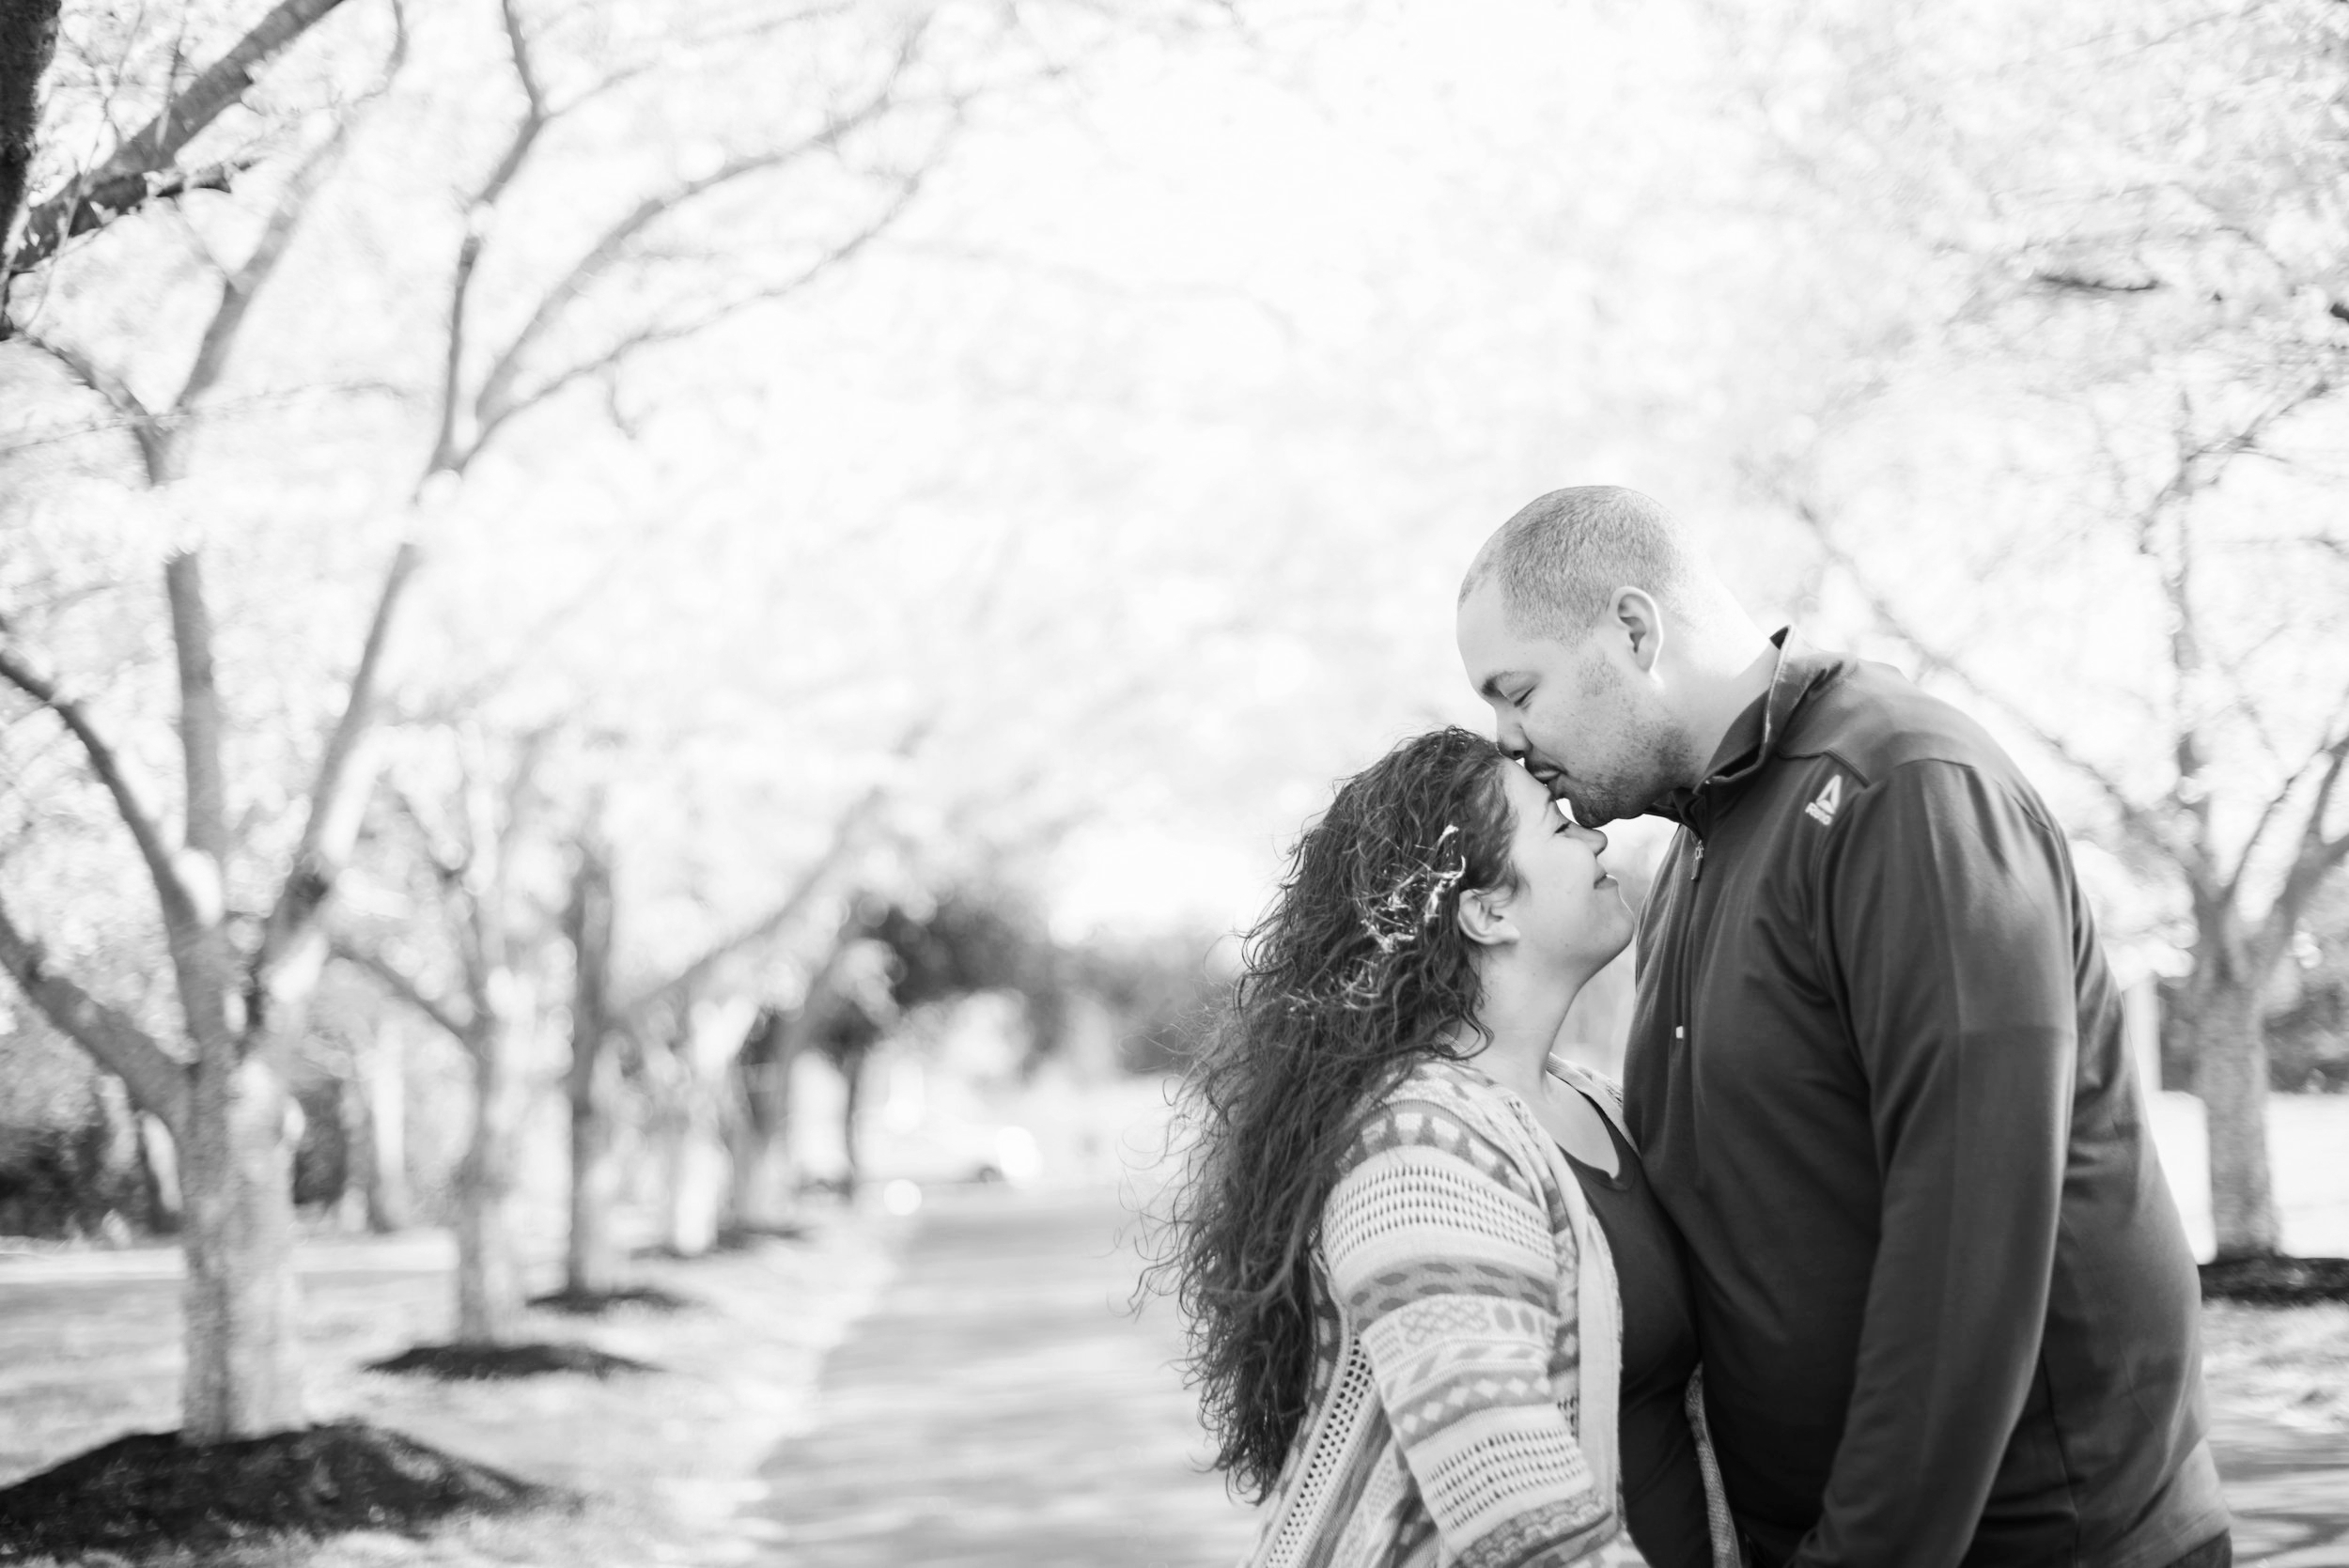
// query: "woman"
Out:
[1436,1316]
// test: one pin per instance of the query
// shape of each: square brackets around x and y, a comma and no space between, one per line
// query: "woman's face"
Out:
[1565,907]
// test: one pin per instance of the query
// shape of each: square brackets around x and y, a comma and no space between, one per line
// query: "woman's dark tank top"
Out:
[1663,1489]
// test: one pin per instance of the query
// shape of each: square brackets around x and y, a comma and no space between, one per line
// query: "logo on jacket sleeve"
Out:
[1823,810]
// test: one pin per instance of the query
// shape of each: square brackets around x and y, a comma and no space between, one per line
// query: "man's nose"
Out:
[1509,734]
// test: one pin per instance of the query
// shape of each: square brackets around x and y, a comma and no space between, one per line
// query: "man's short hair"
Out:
[1561,558]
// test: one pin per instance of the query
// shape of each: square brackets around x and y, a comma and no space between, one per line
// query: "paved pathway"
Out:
[999,1409]
[2290,1498]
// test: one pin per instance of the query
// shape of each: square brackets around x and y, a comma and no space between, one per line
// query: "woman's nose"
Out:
[1591,836]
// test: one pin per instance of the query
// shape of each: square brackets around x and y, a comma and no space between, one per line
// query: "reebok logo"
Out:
[1821,810]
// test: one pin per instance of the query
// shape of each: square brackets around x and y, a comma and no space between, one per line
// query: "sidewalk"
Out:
[998,1410]
[2290,1494]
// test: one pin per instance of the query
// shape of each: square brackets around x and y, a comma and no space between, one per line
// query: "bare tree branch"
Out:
[2137,818]
[680,987]
[106,201]
[98,198]
[338,797]
[240,288]
[525,68]
[2071,281]
[146,427]
[497,387]
[845,830]
[448,869]
[2271,810]
[2317,857]
[402,985]
[179,906]
[448,455]
[207,805]
[509,405]
[158,1081]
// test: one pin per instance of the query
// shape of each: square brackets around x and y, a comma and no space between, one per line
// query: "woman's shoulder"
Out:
[1445,1087]
[1444,1106]
[1598,1086]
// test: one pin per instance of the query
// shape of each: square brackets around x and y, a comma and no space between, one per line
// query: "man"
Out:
[1876,1074]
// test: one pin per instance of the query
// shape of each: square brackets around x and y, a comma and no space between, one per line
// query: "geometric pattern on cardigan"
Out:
[1441,1422]
[1441,1414]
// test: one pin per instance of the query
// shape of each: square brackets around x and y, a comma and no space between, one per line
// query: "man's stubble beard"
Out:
[1655,761]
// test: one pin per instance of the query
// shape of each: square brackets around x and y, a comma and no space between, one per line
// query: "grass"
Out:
[88,1349]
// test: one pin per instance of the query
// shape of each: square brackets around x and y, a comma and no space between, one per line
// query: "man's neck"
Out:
[1716,699]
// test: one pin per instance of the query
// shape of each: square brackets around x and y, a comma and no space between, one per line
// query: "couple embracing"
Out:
[1869,1261]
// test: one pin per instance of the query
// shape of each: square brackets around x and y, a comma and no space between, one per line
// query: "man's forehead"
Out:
[1491,637]
[1484,618]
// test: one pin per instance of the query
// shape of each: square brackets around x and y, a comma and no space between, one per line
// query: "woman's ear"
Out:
[1485,917]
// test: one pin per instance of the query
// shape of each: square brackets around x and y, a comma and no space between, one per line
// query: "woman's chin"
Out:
[1622,924]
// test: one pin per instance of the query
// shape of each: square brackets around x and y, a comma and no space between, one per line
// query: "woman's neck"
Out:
[1522,1014]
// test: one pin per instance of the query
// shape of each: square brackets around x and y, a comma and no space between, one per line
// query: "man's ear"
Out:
[1485,917]
[1639,621]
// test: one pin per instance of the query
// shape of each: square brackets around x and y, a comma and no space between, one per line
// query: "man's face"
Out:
[1579,716]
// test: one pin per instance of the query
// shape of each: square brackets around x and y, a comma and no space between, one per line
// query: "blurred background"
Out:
[653,616]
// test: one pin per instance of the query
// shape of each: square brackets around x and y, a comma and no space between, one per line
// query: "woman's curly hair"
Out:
[1359,970]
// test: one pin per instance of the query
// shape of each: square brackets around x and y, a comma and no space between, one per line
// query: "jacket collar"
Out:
[1753,736]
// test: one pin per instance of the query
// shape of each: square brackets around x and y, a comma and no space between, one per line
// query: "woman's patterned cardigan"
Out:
[1467,1354]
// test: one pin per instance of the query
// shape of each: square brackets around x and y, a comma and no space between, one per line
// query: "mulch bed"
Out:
[599,1303]
[2276,1281]
[456,1363]
[148,1493]
[733,1238]
[745,1238]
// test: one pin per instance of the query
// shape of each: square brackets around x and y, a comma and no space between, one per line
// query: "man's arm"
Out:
[1945,921]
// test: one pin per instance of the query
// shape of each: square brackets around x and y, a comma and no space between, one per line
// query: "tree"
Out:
[2136,316]
[687,1084]
[488,1006]
[591,1081]
[244,987]
[243,999]
[757,1127]
[891,956]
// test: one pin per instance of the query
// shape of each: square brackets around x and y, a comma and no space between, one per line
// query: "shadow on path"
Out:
[2290,1494]
[1000,1408]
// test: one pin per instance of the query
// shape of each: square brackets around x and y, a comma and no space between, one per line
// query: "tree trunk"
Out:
[488,1266]
[591,1264]
[689,1200]
[851,1107]
[591,1256]
[158,1173]
[380,1142]
[28,40]
[2231,1080]
[759,1135]
[243,1376]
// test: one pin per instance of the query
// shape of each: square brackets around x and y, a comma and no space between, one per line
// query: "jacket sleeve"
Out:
[1944,914]
[1443,1262]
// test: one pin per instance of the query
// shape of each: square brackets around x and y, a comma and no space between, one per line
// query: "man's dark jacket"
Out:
[1876,1072]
